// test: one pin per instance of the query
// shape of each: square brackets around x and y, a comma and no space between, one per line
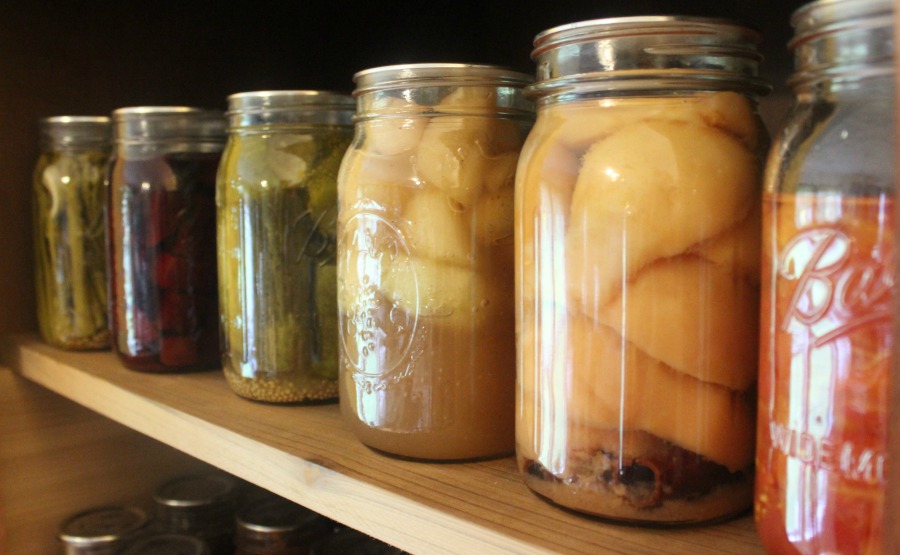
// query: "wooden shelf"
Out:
[307,455]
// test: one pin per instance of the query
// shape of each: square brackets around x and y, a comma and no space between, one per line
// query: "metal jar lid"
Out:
[101,527]
[200,490]
[75,131]
[271,519]
[835,39]
[262,108]
[510,100]
[181,124]
[634,53]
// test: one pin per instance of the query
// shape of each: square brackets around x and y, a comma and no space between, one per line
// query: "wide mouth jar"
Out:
[179,128]
[63,132]
[841,40]
[300,107]
[424,85]
[646,53]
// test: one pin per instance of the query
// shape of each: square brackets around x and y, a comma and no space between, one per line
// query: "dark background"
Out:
[90,57]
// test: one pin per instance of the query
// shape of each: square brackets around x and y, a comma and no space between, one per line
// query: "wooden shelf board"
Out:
[307,455]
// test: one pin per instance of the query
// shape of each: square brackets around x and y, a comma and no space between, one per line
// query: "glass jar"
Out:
[827,297]
[200,505]
[168,544]
[69,238]
[272,525]
[637,278]
[162,237]
[277,216]
[425,269]
[101,530]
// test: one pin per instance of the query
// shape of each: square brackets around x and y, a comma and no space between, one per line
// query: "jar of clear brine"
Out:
[828,281]
[69,236]
[276,218]
[425,265]
[637,252]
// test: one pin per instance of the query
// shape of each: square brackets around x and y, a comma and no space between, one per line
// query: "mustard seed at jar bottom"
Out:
[637,279]
[425,270]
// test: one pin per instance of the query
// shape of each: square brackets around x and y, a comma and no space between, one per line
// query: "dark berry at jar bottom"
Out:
[163,262]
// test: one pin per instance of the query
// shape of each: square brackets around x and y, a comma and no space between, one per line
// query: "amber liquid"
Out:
[425,289]
[825,358]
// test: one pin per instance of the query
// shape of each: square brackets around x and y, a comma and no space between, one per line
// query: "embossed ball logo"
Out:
[376,333]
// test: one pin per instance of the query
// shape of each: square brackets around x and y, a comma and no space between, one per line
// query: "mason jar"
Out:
[69,237]
[425,268]
[101,530]
[199,505]
[162,238]
[637,269]
[273,525]
[277,215]
[827,297]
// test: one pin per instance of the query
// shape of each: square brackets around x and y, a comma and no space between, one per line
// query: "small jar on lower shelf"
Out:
[199,505]
[272,525]
[101,530]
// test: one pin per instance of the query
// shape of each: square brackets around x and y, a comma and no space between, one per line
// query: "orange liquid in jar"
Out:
[825,357]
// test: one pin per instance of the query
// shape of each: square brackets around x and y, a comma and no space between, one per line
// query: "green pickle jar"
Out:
[69,240]
[276,203]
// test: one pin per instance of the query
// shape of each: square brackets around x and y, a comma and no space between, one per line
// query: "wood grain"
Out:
[307,455]
[58,459]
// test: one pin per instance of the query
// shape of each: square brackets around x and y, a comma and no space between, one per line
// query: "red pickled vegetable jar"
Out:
[827,289]
[162,238]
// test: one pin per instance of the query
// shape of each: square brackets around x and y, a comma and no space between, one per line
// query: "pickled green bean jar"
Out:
[276,203]
[69,240]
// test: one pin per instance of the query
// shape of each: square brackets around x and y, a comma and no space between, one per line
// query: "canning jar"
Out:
[272,525]
[162,238]
[827,296]
[69,237]
[637,277]
[201,505]
[165,543]
[101,530]
[425,270]
[277,215]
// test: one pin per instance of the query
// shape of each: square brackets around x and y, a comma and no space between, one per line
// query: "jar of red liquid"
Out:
[162,237]
[828,241]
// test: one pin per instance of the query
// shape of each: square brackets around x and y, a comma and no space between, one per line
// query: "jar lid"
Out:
[168,543]
[626,53]
[850,37]
[433,74]
[272,520]
[67,131]
[164,123]
[102,525]
[256,108]
[196,491]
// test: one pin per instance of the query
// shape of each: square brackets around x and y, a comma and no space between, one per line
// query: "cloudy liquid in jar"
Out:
[825,358]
